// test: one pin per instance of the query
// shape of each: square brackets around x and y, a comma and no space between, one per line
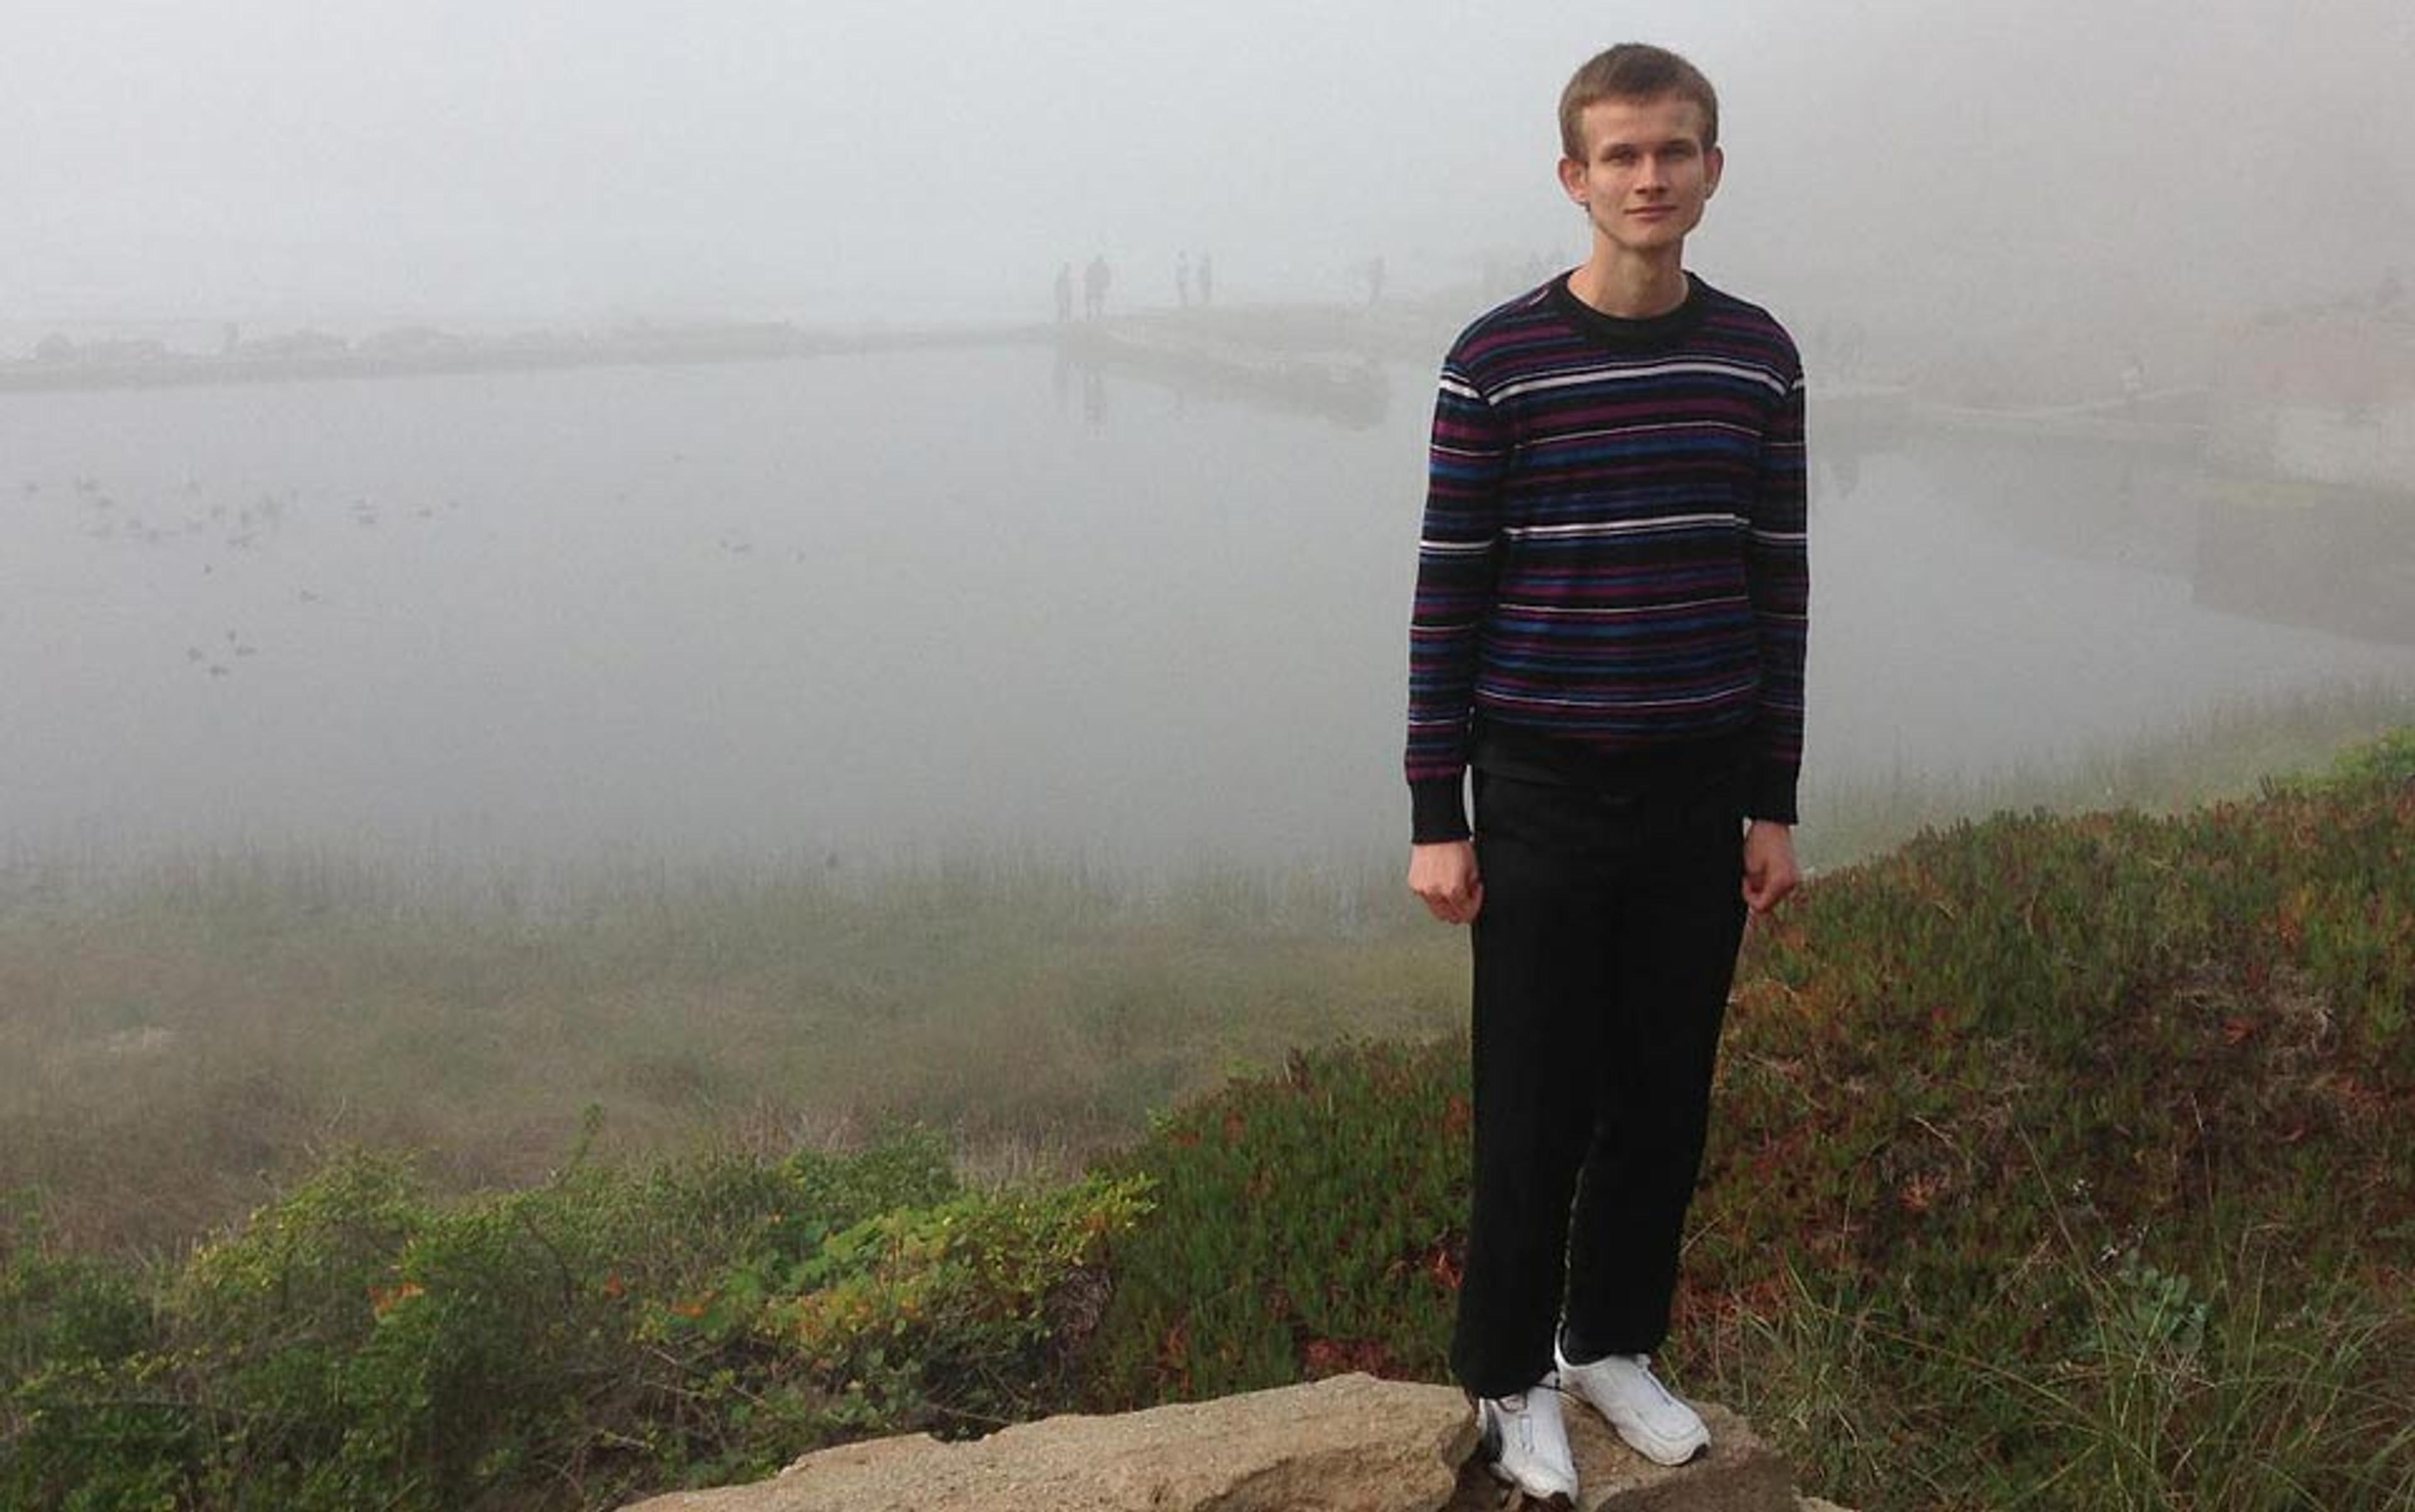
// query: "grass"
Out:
[179,1043]
[2235,1392]
[2061,1163]
[183,1038]
[2229,752]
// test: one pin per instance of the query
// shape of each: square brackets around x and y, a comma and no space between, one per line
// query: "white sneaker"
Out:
[1529,1444]
[1631,1399]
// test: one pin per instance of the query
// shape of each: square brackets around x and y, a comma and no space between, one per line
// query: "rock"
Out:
[1349,1444]
[1740,1473]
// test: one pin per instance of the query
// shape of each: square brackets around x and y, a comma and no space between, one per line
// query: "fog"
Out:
[847,603]
[290,161]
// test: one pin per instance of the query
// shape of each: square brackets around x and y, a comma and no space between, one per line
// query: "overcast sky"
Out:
[292,160]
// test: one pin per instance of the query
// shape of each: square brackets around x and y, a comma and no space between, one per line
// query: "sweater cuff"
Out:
[1772,793]
[1438,810]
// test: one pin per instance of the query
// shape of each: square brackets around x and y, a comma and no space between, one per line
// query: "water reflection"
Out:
[1192,359]
[2342,563]
[2282,553]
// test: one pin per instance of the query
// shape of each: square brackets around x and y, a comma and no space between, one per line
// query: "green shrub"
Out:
[360,1343]
[1304,1223]
[2389,759]
[955,1318]
[83,1422]
[58,1306]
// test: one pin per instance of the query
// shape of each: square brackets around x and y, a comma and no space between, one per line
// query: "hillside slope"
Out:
[2049,1153]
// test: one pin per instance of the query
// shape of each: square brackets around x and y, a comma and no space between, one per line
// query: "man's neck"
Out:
[1629,287]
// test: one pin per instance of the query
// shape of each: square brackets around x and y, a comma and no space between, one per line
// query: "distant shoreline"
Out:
[1403,331]
[670,347]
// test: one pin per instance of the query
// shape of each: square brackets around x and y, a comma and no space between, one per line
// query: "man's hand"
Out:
[1769,871]
[1445,877]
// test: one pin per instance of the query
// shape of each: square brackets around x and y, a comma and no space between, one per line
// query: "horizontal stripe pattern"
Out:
[1614,546]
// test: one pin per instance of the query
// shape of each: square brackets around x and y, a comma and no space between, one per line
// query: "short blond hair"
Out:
[1633,71]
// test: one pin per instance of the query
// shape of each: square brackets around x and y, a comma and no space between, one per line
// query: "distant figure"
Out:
[1064,292]
[1206,280]
[2134,382]
[1182,279]
[1095,279]
[1374,278]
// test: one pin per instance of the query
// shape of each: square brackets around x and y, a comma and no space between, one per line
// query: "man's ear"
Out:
[1716,161]
[1573,179]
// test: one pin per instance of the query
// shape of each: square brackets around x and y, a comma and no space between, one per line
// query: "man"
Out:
[1609,631]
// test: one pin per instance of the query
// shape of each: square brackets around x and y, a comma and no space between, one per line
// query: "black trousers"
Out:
[1604,952]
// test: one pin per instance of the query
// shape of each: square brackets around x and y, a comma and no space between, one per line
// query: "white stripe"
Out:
[1449,547]
[1461,387]
[1646,430]
[1623,527]
[1781,537]
[1762,375]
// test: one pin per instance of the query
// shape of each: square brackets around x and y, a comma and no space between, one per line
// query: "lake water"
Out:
[869,606]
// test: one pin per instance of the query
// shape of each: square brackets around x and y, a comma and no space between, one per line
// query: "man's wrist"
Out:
[1437,810]
[1773,792]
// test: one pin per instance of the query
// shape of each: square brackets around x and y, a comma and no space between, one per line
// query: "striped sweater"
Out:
[1613,562]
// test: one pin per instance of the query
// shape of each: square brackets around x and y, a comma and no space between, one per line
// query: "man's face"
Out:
[1646,173]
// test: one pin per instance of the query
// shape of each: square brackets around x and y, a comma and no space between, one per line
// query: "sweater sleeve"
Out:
[1778,564]
[1456,547]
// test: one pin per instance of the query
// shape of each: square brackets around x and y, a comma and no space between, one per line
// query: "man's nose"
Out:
[1648,176]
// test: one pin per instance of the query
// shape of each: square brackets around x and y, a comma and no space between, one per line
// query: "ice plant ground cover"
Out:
[2060,1161]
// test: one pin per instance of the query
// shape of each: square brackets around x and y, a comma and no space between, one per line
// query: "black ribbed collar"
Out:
[1619,331]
